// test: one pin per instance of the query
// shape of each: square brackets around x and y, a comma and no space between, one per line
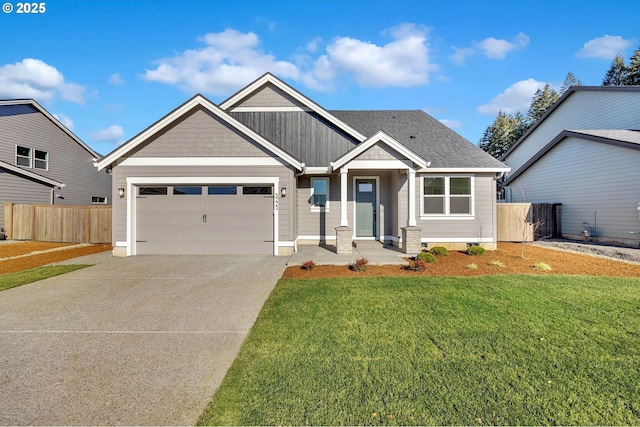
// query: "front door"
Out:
[366,206]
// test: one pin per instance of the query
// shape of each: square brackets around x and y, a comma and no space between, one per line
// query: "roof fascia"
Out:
[560,100]
[379,136]
[270,78]
[31,175]
[197,100]
[55,121]
[562,135]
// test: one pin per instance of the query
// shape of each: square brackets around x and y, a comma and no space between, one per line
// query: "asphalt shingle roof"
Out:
[422,134]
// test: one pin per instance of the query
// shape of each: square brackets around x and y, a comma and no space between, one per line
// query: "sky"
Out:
[108,69]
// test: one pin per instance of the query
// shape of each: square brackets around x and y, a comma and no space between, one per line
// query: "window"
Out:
[41,160]
[319,193]
[222,190]
[23,156]
[257,190]
[447,195]
[152,191]
[188,190]
[98,200]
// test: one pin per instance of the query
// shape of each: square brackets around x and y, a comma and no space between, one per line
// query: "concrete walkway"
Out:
[142,340]
[375,252]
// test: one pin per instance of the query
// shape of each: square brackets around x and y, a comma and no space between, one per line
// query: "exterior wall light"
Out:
[121,192]
[283,191]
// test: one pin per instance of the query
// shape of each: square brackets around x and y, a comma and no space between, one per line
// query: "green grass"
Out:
[508,350]
[11,280]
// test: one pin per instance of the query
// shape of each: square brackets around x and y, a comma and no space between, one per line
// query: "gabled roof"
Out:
[269,78]
[567,94]
[55,121]
[31,175]
[426,137]
[197,100]
[619,138]
[376,138]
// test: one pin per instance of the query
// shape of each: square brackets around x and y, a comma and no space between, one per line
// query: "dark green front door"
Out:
[366,205]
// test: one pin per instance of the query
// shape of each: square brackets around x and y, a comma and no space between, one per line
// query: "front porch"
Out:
[375,252]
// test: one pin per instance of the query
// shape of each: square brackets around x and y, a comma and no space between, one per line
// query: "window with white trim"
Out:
[41,160]
[446,196]
[319,194]
[98,200]
[31,158]
[23,156]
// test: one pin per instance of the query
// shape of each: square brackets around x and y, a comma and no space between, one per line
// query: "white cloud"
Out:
[112,134]
[516,97]
[451,124]
[490,47]
[312,46]
[116,79]
[228,61]
[401,62]
[33,78]
[606,47]
[65,120]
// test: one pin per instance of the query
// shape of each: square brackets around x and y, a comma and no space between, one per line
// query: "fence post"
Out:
[8,220]
[88,225]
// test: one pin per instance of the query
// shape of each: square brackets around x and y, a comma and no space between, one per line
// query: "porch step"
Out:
[367,244]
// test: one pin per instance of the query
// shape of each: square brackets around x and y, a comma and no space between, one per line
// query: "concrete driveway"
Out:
[142,340]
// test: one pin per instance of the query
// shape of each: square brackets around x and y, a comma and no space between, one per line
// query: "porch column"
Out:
[344,222]
[411,177]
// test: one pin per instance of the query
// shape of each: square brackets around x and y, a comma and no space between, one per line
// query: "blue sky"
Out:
[109,69]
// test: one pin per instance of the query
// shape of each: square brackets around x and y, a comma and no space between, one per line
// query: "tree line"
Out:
[506,129]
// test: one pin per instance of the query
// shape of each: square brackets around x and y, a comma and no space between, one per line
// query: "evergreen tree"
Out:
[617,73]
[542,100]
[632,76]
[570,80]
[502,134]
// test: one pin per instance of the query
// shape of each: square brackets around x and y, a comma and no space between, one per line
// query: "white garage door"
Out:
[208,219]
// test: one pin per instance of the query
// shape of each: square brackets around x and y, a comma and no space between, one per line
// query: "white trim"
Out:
[317,170]
[462,170]
[411,203]
[311,237]
[344,184]
[447,198]
[202,161]
[376,232]
[121,244]
[457,239]
[269,109]
[270,78]
[376,138]
[32,175]
[135,181]
[196,101]
[447,217]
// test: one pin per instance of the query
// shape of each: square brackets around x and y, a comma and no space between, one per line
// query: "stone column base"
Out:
[344,240]
[411,243]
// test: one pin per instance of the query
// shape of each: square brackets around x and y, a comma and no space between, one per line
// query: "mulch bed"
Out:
[509,254]
[39,259]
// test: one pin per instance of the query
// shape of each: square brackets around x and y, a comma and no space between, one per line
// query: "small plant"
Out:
[308,265]
[497,263]
[476,250]
[472,266]
[360,265]
[439,250]
[426,257]
[542,266]
[417,265]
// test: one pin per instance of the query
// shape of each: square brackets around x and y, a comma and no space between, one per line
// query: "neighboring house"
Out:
[269,169]
[41,161]
[584,153]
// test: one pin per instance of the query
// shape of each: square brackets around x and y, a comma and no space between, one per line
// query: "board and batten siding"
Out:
[596,183]
[69,162]
[583,109]
[285,175]
[200,134]
[473,229]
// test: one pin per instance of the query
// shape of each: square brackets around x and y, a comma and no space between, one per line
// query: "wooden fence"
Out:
[519,222]
[58,223]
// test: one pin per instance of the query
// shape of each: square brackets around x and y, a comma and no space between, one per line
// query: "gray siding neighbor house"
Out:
[269,169]
[41,161]
[584,153]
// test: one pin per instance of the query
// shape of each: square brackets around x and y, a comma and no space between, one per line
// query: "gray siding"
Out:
[285,175]
[481,226]
[380,152]
[269,96]
[305,135]
[596,183]
[200,134]
[581,110]
[17,189]
[69,162]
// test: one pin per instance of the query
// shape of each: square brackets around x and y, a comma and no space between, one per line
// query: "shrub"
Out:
[440,250]
[426,257]
[308,265]
[542,266]
[360,265]
[497,263]
[476,250]
[417,265]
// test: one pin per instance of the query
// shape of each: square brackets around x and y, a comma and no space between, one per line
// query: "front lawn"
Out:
[508,350]
[11,280]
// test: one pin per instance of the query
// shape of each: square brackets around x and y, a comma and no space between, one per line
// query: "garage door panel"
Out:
[204,224]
